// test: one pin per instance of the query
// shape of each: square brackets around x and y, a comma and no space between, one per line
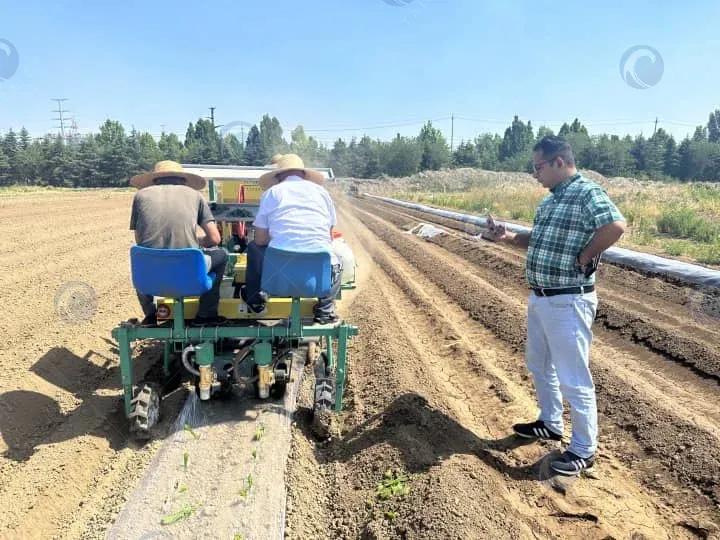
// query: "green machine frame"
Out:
[267,344]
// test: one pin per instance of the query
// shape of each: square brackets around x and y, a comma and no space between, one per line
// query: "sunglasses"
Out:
[541,165]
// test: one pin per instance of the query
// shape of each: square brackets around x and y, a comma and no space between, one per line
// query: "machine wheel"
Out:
[146,412]
[323,417]
[277,390]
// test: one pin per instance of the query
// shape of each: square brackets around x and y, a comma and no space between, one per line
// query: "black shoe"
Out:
[326,319]
[150,320]
[536,430]
[571,464]
[208,321]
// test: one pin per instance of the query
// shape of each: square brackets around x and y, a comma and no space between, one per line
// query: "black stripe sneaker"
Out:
[571,464]
[536,430]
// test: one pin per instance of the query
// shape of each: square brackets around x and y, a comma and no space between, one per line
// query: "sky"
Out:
[344,68]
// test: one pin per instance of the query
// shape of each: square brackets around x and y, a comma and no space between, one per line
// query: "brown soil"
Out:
[437,377]
[66,462]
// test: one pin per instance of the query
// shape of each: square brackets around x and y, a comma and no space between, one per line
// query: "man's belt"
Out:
[567,290]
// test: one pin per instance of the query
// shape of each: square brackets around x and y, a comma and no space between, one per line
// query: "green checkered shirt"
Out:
[565,222]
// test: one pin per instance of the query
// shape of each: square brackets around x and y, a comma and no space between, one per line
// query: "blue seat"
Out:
[171,273]
[296,274]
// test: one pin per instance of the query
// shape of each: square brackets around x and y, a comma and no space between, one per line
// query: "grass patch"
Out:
[670,219]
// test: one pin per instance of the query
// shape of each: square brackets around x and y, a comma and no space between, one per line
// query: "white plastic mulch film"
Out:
[690,273]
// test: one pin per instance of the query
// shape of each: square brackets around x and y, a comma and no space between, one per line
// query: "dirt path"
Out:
[437,379]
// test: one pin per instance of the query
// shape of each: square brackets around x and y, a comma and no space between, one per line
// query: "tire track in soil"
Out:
[412,346]
[660,326]
[669,446]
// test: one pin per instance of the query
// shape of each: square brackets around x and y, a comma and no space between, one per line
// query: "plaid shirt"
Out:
[565,222]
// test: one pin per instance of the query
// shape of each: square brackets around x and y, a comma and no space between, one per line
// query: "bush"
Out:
[685,223]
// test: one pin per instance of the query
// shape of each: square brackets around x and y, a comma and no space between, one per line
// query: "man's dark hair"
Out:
[170,181]
[553,146]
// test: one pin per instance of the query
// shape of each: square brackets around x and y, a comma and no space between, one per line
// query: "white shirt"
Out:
[298,215]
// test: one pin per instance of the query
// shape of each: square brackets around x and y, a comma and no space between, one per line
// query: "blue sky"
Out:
[344,67]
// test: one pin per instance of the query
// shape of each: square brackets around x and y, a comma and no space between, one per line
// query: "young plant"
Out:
[249,481]
[184,512]
[254,454]
[259,432]
[392,485]
[191,432]
[186,456]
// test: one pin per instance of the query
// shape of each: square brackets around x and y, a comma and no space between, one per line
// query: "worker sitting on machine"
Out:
[296,214]
[165,212]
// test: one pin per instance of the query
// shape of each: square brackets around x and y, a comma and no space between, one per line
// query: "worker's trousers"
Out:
[559,334]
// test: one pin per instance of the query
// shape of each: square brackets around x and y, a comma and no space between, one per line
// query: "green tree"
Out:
[340,159]
[170,147]
[466,155]
[255,154]
[435,150]
[271,136]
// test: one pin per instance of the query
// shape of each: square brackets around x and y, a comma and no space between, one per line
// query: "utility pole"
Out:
[162,126]
[61,119]
[219,140]
[212,116]
[655,131]
[452,131]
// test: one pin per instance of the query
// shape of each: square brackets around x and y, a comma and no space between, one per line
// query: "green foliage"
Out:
[110,157]
[393,484]
[184,512]
[685,223]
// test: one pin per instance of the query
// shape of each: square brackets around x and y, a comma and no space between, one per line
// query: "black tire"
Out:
[277,390]
[146,410]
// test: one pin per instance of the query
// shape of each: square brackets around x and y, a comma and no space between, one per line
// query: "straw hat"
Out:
[165,169]
[289,162]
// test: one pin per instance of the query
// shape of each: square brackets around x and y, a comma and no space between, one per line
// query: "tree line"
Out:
[113,155]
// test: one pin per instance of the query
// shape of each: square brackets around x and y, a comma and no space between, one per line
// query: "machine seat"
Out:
[170,273]
[296,274]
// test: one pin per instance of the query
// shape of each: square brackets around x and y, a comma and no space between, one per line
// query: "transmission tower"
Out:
[61,118]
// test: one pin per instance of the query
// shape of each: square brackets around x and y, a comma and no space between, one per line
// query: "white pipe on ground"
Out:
[692,273]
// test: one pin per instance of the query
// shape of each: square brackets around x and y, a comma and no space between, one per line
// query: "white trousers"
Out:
[558,355]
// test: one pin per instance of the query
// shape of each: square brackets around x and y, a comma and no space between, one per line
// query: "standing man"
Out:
[574,224]
[166,211]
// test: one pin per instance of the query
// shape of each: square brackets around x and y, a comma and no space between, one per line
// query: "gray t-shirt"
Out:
[165,216]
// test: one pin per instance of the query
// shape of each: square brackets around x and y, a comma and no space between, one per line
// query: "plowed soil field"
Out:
[436,379]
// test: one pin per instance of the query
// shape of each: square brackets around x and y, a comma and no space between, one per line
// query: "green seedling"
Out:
[191,432]
[392,485]
[182,489]
[259,432]
[183,513]
[390,514]
[243,493]
[254,454]
[186,456]
[250,481]
[237,536]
